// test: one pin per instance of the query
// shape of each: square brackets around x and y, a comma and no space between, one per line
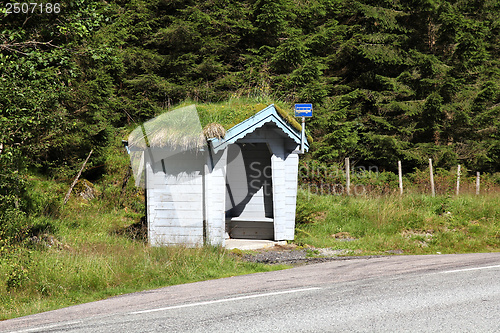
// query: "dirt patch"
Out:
[343,236]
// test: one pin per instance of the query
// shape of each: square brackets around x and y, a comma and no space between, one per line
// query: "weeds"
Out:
[101,265]
[51,257]
[94,248]
[416,224]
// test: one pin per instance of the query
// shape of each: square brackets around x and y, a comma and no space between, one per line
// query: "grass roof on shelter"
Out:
[233,112]
[214,118]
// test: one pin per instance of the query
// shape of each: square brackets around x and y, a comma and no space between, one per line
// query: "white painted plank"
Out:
[179,231]
[181,224]
[179,214]
[178,205]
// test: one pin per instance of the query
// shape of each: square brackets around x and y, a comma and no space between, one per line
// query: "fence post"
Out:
[400,174]
[458,180]
[478,180]
[348,176]
[433,190]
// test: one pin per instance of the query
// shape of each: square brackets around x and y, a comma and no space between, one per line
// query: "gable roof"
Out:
[270,114]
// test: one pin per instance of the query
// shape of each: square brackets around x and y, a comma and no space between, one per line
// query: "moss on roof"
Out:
[227,114]
[215,119]
[233,112]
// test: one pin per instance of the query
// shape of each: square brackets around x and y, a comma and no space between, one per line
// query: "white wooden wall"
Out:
[215,189]
[285,172]
[175,200]
[291,179]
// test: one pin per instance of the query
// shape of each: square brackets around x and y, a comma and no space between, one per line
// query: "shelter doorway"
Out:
[249,192]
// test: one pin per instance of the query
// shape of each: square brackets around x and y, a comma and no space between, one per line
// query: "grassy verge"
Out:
[412,224]
[91,254]
[93,249]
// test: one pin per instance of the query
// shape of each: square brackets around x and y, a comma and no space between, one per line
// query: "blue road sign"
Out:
[303,110]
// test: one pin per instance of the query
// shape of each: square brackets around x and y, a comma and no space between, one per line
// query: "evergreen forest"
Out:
[389,80]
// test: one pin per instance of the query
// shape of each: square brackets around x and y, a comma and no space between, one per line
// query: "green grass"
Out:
[234,111]
[87,251]
[96,253]
[413,224]
[91,250]
[93,258]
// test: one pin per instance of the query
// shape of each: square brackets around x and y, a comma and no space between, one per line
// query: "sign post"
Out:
[303,110]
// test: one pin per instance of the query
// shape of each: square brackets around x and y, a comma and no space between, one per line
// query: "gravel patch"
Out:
[293,255]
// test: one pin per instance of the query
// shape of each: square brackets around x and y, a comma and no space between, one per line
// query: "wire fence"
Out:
[323,179]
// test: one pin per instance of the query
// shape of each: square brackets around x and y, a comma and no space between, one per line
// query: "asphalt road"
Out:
[438,293]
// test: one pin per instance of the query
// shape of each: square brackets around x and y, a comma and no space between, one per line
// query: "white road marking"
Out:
[226,300]
[471,269]
[43,328]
